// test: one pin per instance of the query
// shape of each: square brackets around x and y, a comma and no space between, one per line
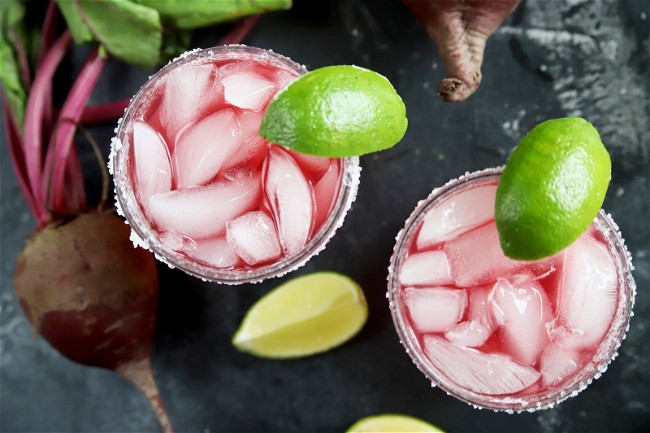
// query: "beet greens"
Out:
[81,283]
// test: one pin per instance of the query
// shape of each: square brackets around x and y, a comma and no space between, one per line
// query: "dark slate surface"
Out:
[550,59]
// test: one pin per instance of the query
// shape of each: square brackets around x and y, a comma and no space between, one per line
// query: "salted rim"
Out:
[142,234]
[605,354]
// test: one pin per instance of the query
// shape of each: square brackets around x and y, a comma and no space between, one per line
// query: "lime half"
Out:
[304,316]
[336,111]
[551,189]
[392,423]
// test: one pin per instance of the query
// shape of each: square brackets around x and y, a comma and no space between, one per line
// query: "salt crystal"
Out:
[352,172]
[138,241]
[435,309]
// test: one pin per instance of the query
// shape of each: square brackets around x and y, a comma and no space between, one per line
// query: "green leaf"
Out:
[191,14]
[12,85]
[129,31]
[13,40]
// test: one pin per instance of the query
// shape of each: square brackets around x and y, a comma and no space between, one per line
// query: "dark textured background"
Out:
[550,59]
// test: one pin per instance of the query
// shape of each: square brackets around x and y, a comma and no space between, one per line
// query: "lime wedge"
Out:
[551,189]
[336,111]
[392,423]
[304,316]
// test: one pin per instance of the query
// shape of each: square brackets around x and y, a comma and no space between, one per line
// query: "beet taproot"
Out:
[460,29]
[93,296]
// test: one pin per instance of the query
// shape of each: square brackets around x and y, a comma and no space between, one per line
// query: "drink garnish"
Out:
[552,188]
[306,315]
[392,423]
[336,111]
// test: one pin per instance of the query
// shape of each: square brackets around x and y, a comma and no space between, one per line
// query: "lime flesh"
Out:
[304,316]
[392,423]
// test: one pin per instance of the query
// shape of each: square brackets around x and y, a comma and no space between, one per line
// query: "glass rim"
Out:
[141,233]
[605,353]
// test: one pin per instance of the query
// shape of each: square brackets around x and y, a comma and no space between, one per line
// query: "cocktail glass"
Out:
[200,187]
[501,334]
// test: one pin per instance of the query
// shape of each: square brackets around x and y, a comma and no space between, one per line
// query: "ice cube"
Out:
[521,310]
[251,154]
[253,237]
[283,77]
[189,93]
[291,199]
[252,147]
[249,123]
[471,333]
[479,306]
[482,373]
[476,258]
[429,267]
[325,193]
[151,116]
[245,88]
[174,241]
[152,165]
[203,212]
[587,295]
[458,214]
[478,326]
[203,149]
[435,309]
[556,364]
[215,252]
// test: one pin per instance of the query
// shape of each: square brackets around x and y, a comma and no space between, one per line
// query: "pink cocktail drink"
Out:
[498,333]
[204,191]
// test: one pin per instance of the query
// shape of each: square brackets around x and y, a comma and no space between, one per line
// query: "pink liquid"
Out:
[207,187]
[500,333]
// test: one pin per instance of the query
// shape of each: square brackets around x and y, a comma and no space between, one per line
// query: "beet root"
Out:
[460,29]
[93,297]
